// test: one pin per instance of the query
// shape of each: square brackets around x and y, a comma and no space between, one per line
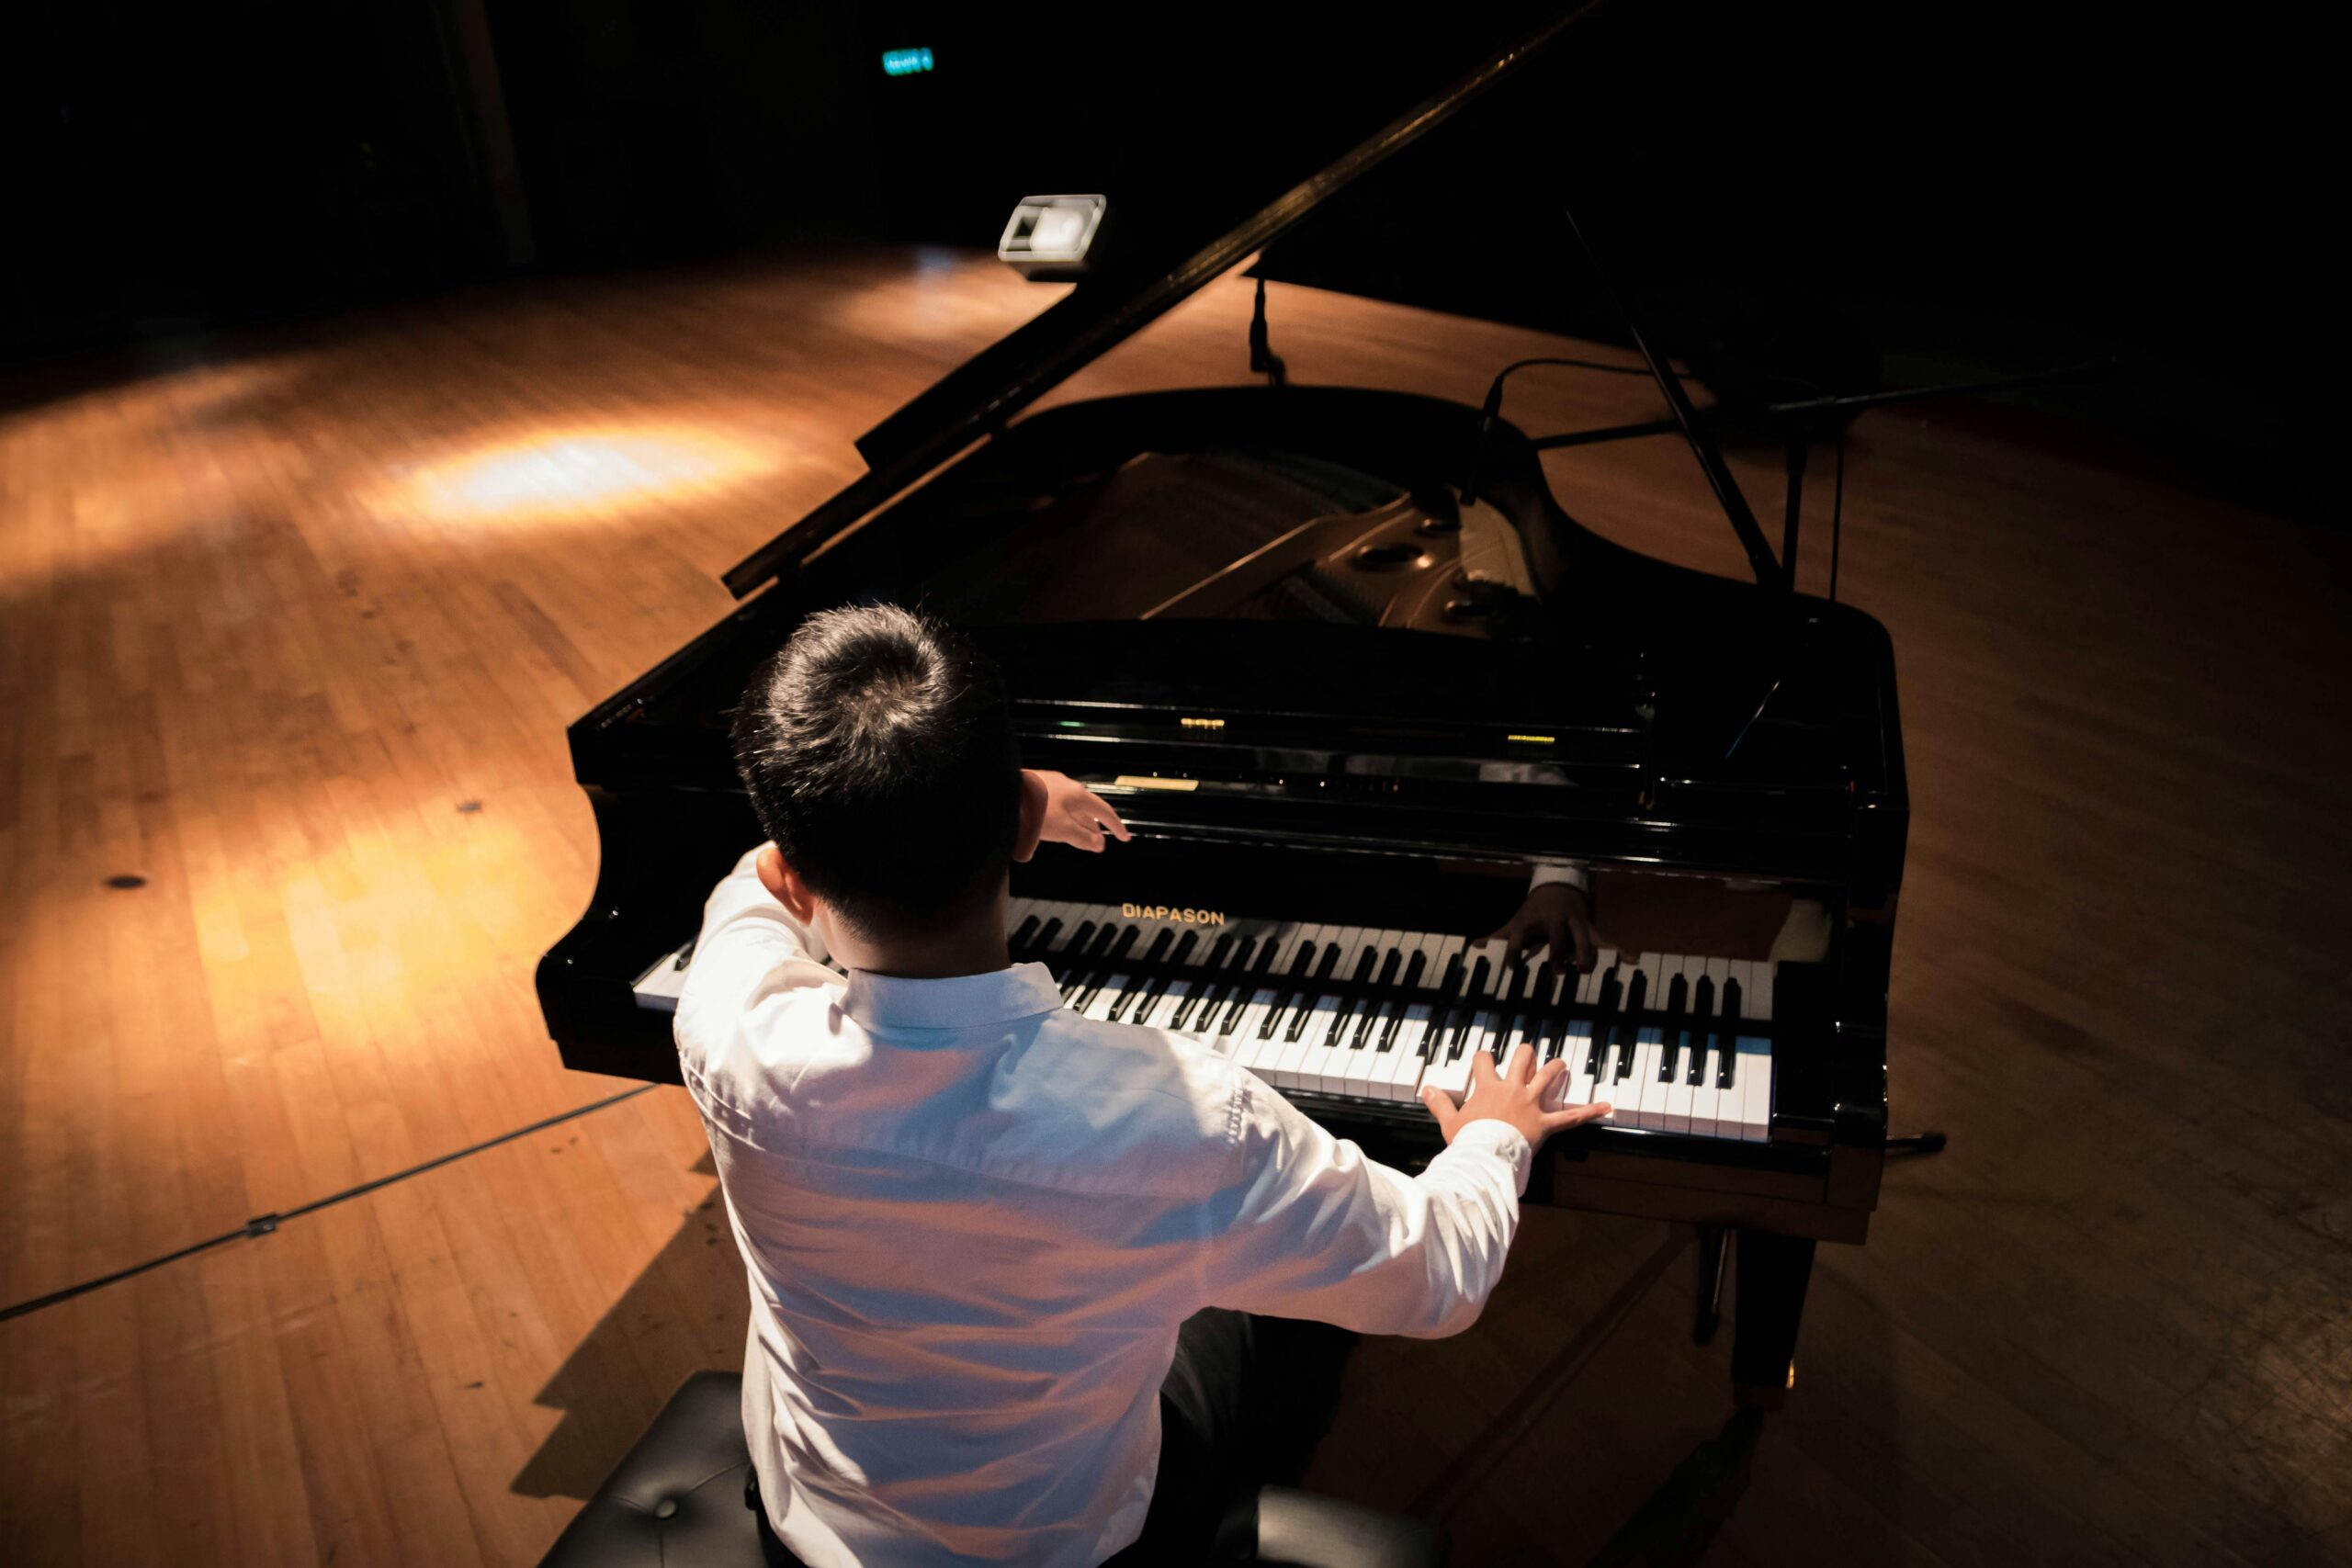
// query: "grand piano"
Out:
[1353,677]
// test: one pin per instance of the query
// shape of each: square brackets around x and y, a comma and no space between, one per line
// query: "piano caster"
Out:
[1773,1273]
[1714,1250]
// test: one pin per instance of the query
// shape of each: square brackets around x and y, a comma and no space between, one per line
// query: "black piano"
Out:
[1353,678]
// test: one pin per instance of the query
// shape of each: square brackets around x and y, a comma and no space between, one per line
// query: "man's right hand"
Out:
[1514,1095]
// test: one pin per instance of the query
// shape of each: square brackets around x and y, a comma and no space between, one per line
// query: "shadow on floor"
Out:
[1675,1523]
[686,1312]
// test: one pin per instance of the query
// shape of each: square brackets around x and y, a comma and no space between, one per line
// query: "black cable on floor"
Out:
[262,1224]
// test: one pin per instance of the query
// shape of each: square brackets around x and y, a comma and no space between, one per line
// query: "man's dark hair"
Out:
[879,754]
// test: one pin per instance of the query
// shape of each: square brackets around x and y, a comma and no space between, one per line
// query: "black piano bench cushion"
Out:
[676,1501]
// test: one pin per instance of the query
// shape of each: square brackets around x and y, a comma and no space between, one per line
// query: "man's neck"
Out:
[977,946]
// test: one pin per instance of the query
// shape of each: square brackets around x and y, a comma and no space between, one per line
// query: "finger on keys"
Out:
[1583,931]
[1441,1106]
[1522,1066]
[1549,1073]
[1574,1116]
[1562,940]
[1482,1070]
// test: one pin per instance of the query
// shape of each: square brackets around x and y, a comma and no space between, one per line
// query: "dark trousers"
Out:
[1244,1403]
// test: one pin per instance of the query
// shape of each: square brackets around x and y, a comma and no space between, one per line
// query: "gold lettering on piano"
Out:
[1202,723]
[1181,916]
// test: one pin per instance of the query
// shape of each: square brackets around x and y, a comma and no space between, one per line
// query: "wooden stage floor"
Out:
[291,628]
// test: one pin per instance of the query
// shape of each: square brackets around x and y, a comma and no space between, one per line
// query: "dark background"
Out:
[1822,195]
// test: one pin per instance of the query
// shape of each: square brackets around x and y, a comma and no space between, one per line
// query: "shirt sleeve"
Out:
[1567,870]
[741,910]
[1315,1229]
[749,946]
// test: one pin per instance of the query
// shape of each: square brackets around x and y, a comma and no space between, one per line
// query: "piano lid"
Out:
[976,399]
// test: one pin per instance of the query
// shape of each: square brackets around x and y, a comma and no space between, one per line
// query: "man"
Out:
[980,1230]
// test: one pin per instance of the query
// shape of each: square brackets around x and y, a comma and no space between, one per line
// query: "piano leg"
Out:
[1773,1271]
[1715,1251]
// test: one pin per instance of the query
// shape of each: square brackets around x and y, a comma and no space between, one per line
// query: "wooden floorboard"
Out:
[290,629]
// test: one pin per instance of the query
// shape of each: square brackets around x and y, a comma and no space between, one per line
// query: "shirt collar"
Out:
[966,1002]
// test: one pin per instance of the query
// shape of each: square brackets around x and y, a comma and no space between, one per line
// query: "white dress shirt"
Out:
[973,1221]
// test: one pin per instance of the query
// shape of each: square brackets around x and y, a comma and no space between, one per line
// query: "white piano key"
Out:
[1447,1037]
[1647,1090]
[1470,1022]
[1330,1064]
[1356,1060]
[1753,1077]
[1678,1090]
[1297,998]
[1576,1083]
[1308,1056]
[1270,985]
[1402,1077]
[1621,1083]
[1189,996]
[1663,1109]
[657,989]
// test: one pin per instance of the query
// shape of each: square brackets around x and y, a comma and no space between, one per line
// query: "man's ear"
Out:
[1031,826]
[784,884]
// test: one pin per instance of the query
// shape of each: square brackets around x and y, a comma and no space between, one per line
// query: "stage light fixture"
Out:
[905,62]
[1048,237]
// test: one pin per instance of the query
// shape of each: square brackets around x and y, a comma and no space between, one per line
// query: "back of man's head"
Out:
[879,755]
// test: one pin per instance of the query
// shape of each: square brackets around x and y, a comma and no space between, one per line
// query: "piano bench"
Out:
[676,1501]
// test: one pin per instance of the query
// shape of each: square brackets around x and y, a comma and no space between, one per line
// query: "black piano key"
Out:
[1303,1007]
[1372,1009]
[1395,1005]
[1079,951]
[1366,962]
[1629,1031]
[1021,937]
[1044,946]
[1108,952]
[1549,1029]
[1604,1006]
[1157,987]
[1636,998]
[1465,1012]
[1199,983]
[1669,1057]
[1239,1002]
[1141,982]
[1703,1005]
[1724,1053]
[1278,1017]
[1453,977]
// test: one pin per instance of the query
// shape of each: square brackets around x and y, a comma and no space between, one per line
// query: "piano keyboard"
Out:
[1676,1043]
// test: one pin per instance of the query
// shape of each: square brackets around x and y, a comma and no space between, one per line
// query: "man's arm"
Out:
[1316,1230]
[748,942]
